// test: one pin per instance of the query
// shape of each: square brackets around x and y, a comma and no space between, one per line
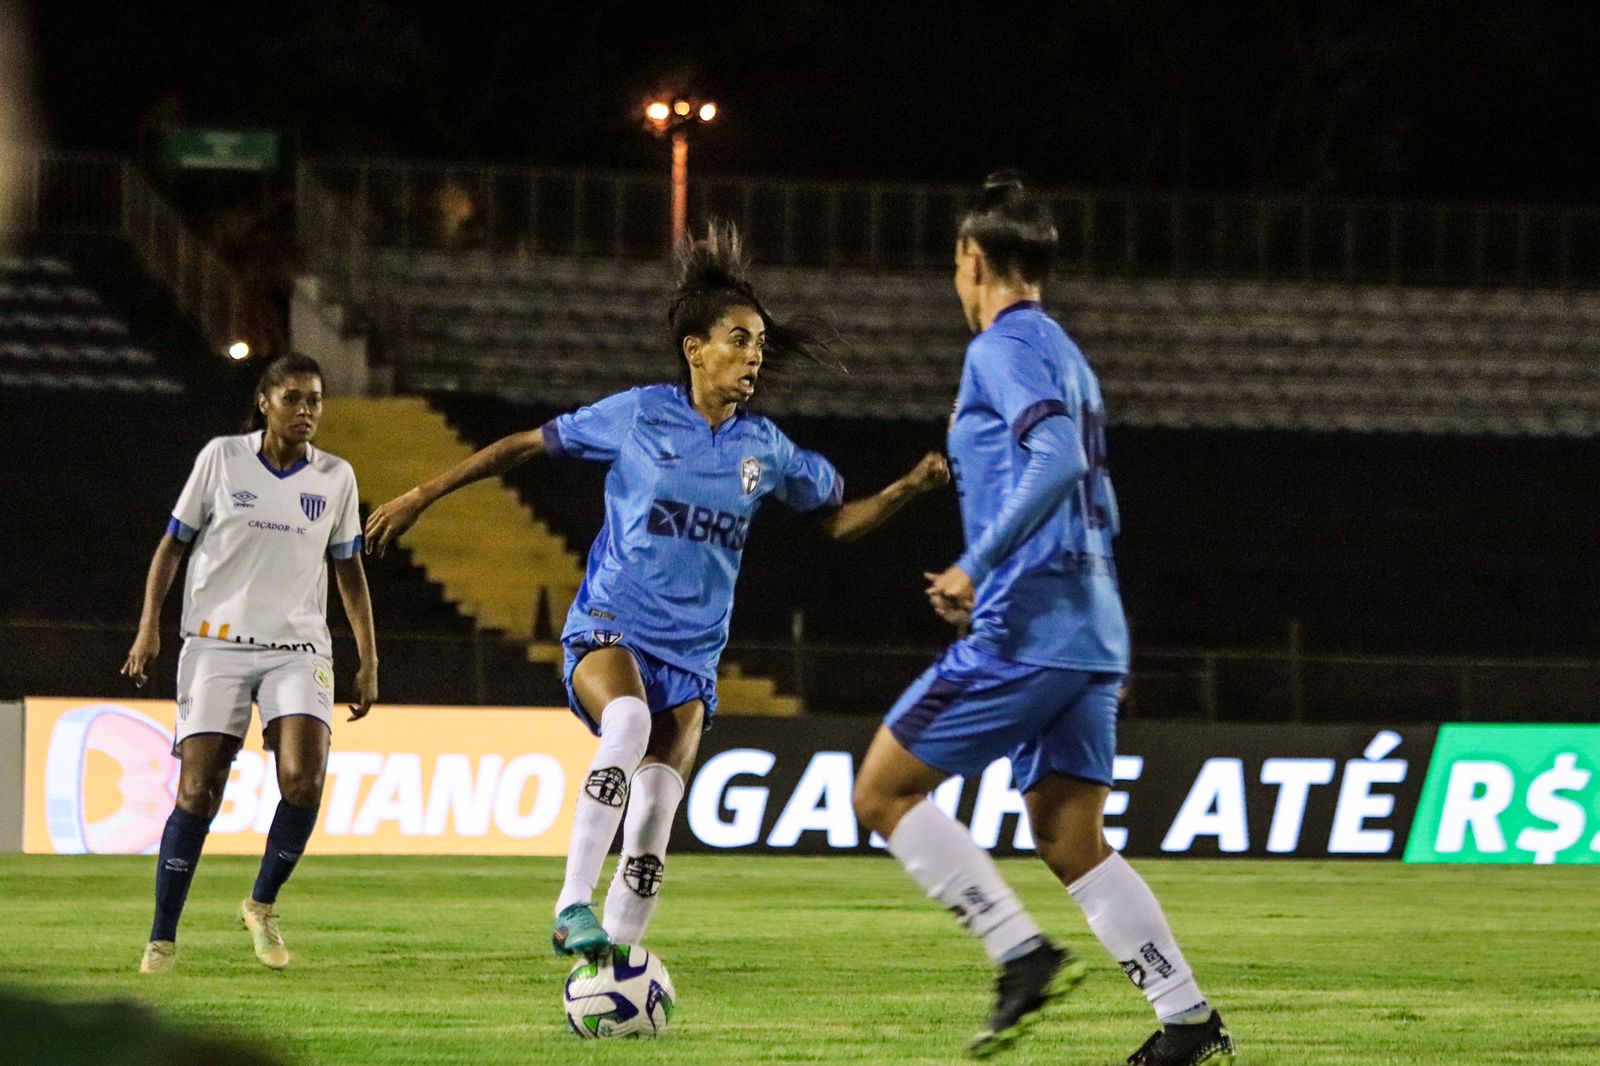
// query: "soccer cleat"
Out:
[261,919]
[160,956]
[578,932]
[1188,1045]
[1022,990]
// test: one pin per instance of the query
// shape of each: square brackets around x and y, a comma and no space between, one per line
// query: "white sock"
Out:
[652,802]
[624,732]
[1125,915]
[940,855]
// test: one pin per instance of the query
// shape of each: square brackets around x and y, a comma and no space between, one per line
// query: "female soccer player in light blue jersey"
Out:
[260,517]
[1037,677]
[689,466]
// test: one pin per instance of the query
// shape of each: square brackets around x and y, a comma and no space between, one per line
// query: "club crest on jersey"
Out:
[313,505]
[750,474]
[244,498]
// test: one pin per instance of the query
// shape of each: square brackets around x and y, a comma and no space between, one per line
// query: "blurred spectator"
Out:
[456,225]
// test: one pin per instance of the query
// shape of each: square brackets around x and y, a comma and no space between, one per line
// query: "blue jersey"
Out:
[1054,601]
[679,500]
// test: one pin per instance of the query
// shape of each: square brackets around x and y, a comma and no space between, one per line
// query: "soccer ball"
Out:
[628,993]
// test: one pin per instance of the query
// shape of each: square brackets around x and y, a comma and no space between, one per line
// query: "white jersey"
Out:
[258,572]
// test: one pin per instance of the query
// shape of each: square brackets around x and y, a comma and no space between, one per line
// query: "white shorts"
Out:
[218,682]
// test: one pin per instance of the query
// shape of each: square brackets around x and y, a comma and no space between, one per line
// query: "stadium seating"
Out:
[1174,354]
[78,316]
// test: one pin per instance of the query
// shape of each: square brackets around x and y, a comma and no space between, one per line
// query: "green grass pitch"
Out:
[446,960]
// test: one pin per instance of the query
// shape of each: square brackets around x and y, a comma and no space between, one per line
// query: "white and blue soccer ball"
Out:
[627,993]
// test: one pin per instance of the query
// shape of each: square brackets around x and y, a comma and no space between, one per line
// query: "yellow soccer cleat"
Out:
[261,919]
[160,956]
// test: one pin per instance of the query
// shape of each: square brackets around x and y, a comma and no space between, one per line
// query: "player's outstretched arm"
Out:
[392,519]
[859,517]
[157,583]
[352,578]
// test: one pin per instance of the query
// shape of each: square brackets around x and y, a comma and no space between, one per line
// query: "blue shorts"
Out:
[665,686]
[971,707]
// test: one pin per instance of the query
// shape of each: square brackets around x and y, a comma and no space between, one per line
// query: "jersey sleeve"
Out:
[593,432]
[1056,461]
[344,541]
[193,509]
[808,481]
[1018,382]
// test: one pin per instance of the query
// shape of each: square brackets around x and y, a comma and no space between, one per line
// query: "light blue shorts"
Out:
[665,686]
[971,707]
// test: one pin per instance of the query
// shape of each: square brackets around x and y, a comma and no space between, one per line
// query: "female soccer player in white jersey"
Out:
[688,468]
[1037,677]
[260,516]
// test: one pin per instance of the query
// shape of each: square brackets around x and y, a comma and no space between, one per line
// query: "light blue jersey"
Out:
[679,501]
[1054,601]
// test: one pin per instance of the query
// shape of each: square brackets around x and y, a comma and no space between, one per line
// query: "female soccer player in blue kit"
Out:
[1037,678]
[689,466]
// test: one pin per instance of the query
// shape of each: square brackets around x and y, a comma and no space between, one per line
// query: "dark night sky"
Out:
[1492,100]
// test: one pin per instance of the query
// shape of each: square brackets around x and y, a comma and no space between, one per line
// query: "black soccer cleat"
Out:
[1188,1045]
[1022,990]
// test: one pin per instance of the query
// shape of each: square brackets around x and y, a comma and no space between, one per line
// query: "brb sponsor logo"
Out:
[1510,794]
[670,518]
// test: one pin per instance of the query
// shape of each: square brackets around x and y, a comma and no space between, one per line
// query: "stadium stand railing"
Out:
[83,194]
[533,211]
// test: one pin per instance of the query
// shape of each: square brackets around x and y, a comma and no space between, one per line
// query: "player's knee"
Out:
[878,809]
[867,803]
[201,798]
[1069,859]
[300,786]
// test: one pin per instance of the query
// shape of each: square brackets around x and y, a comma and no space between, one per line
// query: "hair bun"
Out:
[1002,186]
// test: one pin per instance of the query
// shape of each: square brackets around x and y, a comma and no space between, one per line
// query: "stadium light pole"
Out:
[675,120]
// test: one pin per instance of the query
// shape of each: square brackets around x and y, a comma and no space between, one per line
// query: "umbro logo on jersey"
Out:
[313,505]
[244,498]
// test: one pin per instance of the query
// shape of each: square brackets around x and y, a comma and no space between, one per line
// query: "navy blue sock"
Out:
[181,842]
[286,841]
